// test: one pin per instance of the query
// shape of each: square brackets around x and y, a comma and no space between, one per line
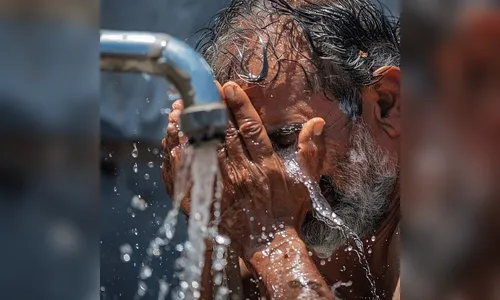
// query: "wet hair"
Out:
[346,41]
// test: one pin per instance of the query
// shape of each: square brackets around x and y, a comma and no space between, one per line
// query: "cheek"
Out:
[335,151]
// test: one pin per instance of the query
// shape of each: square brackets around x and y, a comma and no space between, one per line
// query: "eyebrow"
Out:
[285,130]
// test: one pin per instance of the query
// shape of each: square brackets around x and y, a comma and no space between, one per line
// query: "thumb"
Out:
[311,147]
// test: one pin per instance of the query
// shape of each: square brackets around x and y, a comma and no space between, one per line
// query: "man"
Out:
[321,77]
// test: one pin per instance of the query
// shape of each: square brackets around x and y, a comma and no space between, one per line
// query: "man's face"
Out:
[358,177]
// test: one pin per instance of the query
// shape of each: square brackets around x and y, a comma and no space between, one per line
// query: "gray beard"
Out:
[361,197]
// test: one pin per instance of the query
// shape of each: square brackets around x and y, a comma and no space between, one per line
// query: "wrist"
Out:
[283,241]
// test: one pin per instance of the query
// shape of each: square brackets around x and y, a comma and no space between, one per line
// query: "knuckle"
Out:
[171,129]
[174,116]
[231,133]
[178,104]
[250,128]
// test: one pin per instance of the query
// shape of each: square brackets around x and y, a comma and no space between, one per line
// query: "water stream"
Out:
[323,211]
[203,171]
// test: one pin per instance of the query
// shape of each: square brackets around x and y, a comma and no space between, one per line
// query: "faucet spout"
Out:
[204,117]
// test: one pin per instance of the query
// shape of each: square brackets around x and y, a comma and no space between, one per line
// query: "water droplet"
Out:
[162,294]
[310,253]
[115,189]
[349,248]
[156,151]
[373,238]
[322,262]
[251,219]
[263,228]
[126,252]
[369,251]
[342,269]
[125,257]
[135,151]
[223,290]
[218,279]
[146,272]
[151,164]
[184,285]
[146,176]
[135,168]
[221,240]
[179,247]
[142,289]
[138,203]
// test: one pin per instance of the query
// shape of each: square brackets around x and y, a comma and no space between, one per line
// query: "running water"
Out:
[203,171]
[323,211]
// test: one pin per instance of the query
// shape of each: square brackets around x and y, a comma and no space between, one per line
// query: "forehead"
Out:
[280,104]
[284,96]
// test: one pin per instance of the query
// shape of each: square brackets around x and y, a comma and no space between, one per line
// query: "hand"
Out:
[259,198]
[172,146]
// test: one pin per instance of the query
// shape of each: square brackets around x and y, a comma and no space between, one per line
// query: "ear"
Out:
[388,95]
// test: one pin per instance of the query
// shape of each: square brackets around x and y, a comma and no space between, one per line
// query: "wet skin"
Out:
[259,113]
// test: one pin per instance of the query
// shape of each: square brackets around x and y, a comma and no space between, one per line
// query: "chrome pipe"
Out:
[205,116]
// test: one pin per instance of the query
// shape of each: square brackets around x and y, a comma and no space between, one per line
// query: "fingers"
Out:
[233,143]
[172,139]
[171,146]
[171,162]
[311,146]
[248,121]
[221,91]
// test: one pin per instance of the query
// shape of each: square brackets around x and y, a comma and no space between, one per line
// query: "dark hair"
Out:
[347,41]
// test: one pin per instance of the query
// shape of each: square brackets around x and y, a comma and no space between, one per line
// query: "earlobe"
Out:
[388,89]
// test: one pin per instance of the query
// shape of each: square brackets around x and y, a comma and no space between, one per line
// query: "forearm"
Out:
[286,270]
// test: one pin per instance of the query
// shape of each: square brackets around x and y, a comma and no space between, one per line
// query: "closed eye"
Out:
[283,141]
[286,136]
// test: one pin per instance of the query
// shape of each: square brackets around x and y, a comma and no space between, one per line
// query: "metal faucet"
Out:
[204,117]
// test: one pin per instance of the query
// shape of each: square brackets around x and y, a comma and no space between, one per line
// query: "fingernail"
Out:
[318,127]
[229,92]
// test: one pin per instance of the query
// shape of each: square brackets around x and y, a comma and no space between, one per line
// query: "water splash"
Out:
[166,231]
[220,245]
[203,172]
[323,211]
